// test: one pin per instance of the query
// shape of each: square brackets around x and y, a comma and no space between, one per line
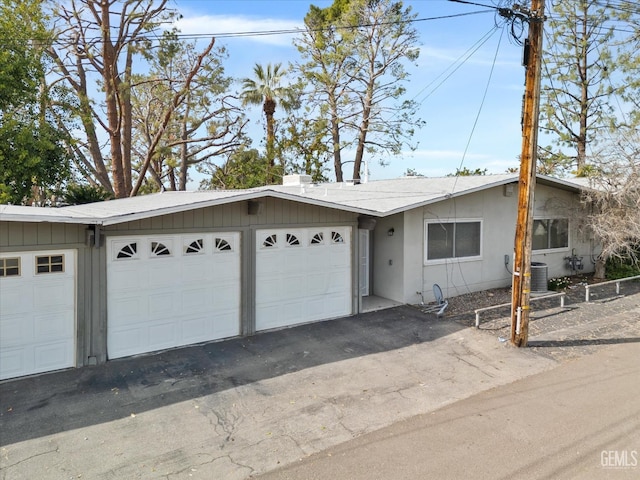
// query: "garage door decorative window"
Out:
[197,246]
[174,289]
[336,237]
[317,239]
[128,251]
[222,245]
[9,267]
[292,240]
[50,264]
[159,249]
[270,241]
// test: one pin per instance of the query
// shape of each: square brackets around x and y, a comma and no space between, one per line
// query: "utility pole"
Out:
[521,287]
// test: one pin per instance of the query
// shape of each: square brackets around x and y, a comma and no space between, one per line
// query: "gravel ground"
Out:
[560,333]
[461,308]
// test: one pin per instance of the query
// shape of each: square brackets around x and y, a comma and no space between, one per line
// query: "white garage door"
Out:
[37,312]
[166,291]
[302,275]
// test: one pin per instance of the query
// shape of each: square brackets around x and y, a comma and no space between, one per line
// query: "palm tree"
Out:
[265,89]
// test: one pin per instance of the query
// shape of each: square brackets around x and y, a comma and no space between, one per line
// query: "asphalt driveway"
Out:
[244,406]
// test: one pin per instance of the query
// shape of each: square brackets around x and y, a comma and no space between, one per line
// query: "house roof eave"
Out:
[20,213]
[370,202]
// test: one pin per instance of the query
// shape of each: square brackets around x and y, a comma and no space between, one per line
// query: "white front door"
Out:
[302,275]
[166,291]
[363,236]
[37,312]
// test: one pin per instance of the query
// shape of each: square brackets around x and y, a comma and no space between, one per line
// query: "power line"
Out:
[459,62]
[618,23]
[297,30]
[622,6]
[484,97]
[474,4]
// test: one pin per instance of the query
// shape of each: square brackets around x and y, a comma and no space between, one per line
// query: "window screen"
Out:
[453,240]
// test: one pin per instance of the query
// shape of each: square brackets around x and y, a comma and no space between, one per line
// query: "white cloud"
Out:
[442,155]
[217,25]
[439,163]
[434,57]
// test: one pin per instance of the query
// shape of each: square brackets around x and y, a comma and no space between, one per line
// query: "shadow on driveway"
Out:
[46,404]
[581,342]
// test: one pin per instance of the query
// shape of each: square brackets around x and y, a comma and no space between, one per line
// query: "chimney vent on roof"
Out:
[296,180]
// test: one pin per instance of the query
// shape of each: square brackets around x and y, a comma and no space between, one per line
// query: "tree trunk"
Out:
[184,154]
[364,128]
[269,109]
[124,91]
[600,273]
[335,139]
[172,179]
[584,102]
[110,78]
[97,164]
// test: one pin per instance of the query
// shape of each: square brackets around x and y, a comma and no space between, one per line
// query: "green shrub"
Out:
[558,283]
[622,268]
[77,194]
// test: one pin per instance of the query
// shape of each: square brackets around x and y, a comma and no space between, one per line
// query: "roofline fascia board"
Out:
[548,180]
[559,182]
[449,196]
[323,203]
[11,217]
[107,219]
[130,217]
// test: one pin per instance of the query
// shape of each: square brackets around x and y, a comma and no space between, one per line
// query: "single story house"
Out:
[80,285]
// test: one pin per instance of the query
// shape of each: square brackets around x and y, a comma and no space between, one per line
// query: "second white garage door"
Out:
[166,291]
[302,275]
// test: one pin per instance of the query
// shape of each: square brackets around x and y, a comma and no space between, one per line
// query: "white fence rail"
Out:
[532,299]
[587,288]
[562,295]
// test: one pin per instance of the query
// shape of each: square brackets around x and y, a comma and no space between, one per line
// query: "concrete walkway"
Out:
[244,407]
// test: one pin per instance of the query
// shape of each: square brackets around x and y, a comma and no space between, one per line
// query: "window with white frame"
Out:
[459,239]
[550,233]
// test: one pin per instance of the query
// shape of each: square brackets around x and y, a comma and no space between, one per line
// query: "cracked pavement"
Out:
[246,406]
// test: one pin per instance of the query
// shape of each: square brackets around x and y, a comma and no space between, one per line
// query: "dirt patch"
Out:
[461,308]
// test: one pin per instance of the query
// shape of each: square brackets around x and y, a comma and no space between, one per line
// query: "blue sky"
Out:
[450,109]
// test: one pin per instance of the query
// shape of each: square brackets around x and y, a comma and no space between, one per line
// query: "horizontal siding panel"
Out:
[235,215]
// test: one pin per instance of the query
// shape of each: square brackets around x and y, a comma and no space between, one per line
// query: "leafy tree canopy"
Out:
[32,155]
[467,172]
[243,169]
[354,55]
[81,193]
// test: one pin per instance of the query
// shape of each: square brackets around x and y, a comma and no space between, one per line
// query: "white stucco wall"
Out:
[552,203]
[388,258]
[413,246]
[458,276]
